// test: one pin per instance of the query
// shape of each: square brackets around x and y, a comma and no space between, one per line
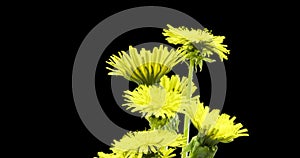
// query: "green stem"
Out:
[186,128]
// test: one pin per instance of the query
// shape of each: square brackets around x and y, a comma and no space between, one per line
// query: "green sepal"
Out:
[197,149]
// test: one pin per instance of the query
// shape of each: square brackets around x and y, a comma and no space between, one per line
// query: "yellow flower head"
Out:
[225,130]
[153,101]
[135,144]
[212,125]
[198,44]
[144,67]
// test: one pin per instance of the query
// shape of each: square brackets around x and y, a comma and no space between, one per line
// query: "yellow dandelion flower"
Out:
[173,84]
[153,101]
[144,67]
[225,130]
[213,126]
[198,44]
[136,144]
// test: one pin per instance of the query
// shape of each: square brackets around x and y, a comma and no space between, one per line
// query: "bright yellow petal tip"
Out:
[167,153]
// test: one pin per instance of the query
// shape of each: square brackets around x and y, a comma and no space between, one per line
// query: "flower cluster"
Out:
[160,97]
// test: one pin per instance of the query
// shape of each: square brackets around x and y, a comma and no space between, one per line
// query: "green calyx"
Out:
[198,148]
[196,55]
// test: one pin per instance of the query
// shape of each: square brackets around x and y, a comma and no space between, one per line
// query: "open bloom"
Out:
[153,101]
[197,44]
[162,100]
[137,144]
[145,66]
[213,126]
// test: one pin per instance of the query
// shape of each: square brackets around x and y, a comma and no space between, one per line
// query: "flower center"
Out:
[149,73]
[158,97]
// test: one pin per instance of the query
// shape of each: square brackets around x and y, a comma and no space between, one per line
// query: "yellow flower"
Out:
[197,44]
[225,130]
[153,101]
[144,67]
[135,144]
[213,126]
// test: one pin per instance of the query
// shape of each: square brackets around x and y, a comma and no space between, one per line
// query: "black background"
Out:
[255,73]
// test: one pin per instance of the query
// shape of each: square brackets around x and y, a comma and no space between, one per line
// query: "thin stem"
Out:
[186,130]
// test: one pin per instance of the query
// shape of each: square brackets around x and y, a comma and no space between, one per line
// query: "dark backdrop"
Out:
[251,70]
